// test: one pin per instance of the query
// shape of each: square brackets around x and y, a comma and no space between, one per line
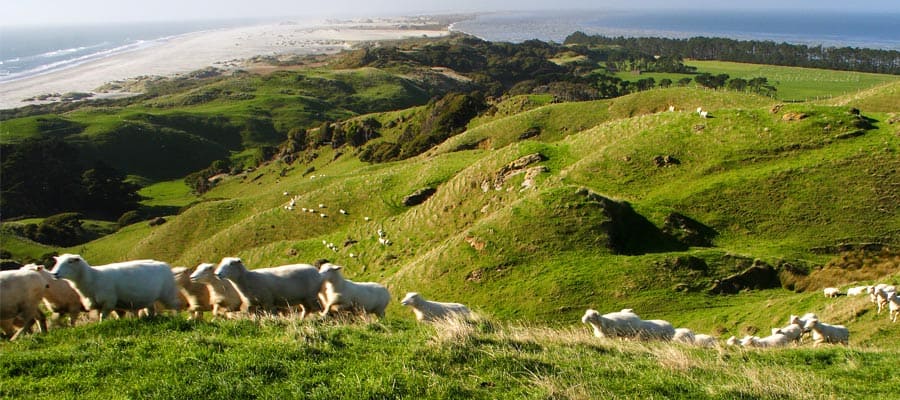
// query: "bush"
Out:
[131,217]
[60,230]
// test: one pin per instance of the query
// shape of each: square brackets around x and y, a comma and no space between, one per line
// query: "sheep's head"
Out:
[230,268]
[67,266]
[590,316]
[330,271]
[810,324]
[748,341]
[411,298]
[204,272]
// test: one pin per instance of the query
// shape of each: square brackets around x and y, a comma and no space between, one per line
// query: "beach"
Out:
[222,48]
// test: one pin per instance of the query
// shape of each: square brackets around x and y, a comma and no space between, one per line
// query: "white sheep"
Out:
[776,340]
[894,306]
[831,292]
[267,289]
[627,325]
[857,290]
[60,297]
[223,297]
[683,335]
[881,296]
[792,331]
[21,292]
[195,297]
[429,311]
[704,114]
[671,108]
[343,211]
[130,285]
[341,293]
[802,320]
[732,341]
[826,333]
[699,110]
[704,340]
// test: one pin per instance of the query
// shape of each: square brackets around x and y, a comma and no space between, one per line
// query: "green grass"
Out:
[170,193]
[794,83]
[169,357]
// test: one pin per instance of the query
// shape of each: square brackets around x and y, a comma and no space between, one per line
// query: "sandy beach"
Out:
[220,48]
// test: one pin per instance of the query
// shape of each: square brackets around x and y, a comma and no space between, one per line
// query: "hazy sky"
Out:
[31,12]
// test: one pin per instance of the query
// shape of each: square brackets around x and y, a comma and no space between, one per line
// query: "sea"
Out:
[26,51]
[30,51]
[846,28]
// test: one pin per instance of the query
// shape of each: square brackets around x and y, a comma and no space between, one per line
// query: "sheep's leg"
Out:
[327,308]
[28,323]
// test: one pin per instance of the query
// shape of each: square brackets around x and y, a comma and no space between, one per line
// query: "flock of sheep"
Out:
[626,324]
[230,289]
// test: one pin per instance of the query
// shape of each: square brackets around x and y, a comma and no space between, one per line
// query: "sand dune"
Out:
[199,50]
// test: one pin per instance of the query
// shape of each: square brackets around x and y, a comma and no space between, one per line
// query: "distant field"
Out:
[169,193]
[796,83]
[793,83]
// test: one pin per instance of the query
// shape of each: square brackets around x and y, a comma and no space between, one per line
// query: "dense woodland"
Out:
[752,51]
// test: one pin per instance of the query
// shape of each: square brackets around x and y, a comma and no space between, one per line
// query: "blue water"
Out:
[830,29]
[29,51]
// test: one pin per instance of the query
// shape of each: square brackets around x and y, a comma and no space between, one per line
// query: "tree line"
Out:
[752,51]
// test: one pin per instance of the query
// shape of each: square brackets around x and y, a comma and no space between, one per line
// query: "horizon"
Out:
[93,12]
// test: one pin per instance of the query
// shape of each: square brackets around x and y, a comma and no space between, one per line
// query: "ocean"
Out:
[30,51]
[829,29]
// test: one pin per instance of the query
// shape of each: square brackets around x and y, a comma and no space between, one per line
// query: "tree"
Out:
[106,192]
[665,82]
[737,84]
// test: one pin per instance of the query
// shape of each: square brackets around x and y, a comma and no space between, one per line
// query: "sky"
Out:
[69,12]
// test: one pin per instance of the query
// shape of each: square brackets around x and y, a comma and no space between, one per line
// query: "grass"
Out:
[169,357]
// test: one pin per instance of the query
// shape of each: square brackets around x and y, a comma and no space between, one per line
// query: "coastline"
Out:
[223,48]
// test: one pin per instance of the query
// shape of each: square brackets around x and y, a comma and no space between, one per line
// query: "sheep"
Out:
[703,340]
[857,290]
[21,292]
[384,241]
[60,297]
[880,295]
[699,110]
[343,211]
[831,292]
[683,335]
[732,341]
[671,108]
[775,340]
[627,325]
[195,296]
[370,297]
[429,311]
[792,331]
[262,290]
[704,114]
[826,333]
[894,306]
[130,285]
[223,297]
[801,320]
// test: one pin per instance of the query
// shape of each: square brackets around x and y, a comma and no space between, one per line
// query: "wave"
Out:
[77,59]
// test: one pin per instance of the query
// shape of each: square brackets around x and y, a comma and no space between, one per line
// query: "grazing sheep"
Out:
[627,325]
[265,289]
[857,290]
[343,211]
[130,285]
[704,114]
[21,292]
[428,311]
[704,340]
[732,341]
[801,320]
[880,294]
[683,335]
[223,297]
[60,297]
[826,333]
[792,331]
[776,340]
[831,292]
[894,306]
[195,296]
[369,297]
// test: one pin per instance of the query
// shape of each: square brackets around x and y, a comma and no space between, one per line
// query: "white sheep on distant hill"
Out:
[343,294]
[268,289]
[831,292]
[857,290]
[428,311]
[131,285]
[21,292]
[894,306]
[223,297]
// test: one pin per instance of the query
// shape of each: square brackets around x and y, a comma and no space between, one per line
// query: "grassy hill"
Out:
[540,211]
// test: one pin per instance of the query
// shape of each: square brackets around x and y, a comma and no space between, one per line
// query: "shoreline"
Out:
[225,48]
